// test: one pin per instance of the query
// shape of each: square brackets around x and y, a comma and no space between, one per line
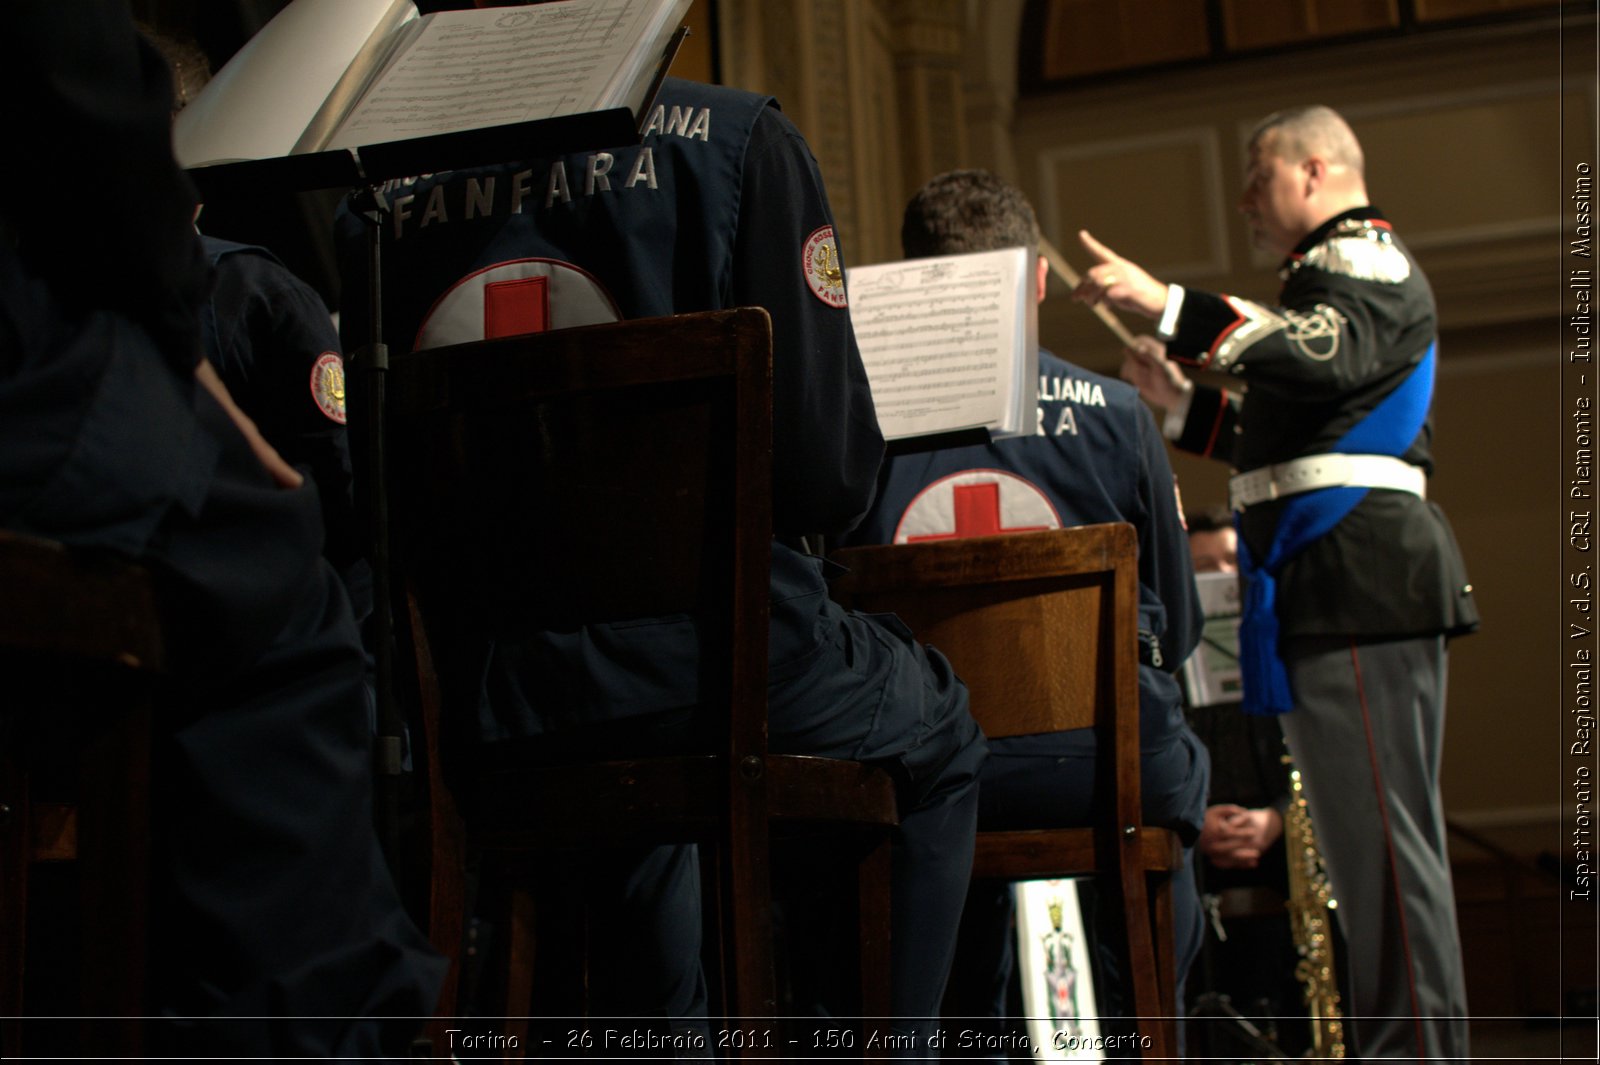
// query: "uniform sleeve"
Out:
[286,372]
[1339,322]
[1164,563]
[289,333]
[826,442]
[1208,429]
[95,99]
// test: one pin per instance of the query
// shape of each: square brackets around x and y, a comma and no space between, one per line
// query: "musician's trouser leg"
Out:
[873,694]
[1366,732]
[644,906]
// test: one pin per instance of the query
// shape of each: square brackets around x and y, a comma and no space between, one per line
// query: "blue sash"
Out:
[1388,429]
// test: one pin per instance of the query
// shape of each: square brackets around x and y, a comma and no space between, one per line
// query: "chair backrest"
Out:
[88,606]
[1042,627]
[595,474]
[604,473]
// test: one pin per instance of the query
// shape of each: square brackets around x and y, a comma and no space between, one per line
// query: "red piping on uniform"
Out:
[1388,845]
[1216,426]
[1238,320]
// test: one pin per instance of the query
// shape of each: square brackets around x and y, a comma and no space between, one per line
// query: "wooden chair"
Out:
[606,473]
[80,642]
[1042,627]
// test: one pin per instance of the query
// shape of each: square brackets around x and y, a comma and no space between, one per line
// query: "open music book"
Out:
[345,75]
[950,343]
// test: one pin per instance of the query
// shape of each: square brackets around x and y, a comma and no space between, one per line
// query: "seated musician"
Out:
[722,205]
[1096,456]
[278,930]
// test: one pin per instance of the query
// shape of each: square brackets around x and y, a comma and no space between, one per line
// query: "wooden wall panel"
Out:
[1493,149]
[1251,24]
[1164,211]
[1443,10]
[1089,36]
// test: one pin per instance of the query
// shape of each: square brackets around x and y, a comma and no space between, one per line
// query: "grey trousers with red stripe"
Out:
[1367,732]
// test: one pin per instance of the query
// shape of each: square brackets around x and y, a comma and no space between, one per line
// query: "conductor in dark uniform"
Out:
[1354,580]
[1094,456]
[721,205]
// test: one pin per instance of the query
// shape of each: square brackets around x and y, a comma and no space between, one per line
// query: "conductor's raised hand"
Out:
[1122,283]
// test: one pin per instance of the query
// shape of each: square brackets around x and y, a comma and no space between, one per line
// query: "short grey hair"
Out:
[1302,132]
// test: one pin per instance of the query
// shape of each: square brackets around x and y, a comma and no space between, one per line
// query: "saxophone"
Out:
[1310,899]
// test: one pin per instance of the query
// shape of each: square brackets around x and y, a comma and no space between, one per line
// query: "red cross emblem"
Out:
[516,297]
[976,503]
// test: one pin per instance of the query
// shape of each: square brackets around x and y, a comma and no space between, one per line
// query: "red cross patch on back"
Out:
[516,297]
[517,306]
[976,503]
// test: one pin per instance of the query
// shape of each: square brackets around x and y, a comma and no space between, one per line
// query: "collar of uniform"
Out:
[1318,235]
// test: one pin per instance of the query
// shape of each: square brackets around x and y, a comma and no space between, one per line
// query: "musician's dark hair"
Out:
[1210,519]
[188,62]
[965,211]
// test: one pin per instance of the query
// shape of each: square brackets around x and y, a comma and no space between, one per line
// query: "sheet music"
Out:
[259,105]
[943,340]
[1212,674]
[462,71]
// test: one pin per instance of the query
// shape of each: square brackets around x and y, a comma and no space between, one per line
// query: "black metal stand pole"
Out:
[372,363]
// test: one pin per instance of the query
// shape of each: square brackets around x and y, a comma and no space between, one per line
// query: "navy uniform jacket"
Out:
[273,344]
[1354,316]
[638,231]
[1096,456]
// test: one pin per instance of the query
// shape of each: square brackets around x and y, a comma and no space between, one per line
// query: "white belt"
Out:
[1325,471]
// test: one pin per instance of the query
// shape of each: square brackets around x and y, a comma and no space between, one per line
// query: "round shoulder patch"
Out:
[819,260]
[327,385]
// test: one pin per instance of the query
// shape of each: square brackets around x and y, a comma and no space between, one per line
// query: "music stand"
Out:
[364,173]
